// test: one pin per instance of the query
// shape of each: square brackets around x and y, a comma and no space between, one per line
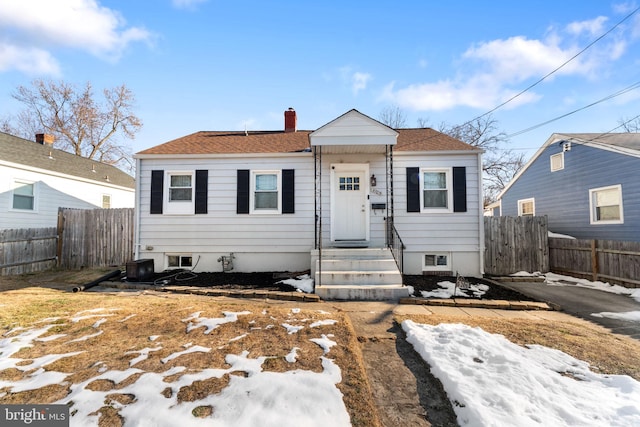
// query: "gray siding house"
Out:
[587,184]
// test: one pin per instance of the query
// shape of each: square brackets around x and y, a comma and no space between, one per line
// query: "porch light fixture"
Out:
[372,181]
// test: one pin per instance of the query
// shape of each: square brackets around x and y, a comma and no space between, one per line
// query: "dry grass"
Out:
[607,353]
[132,318]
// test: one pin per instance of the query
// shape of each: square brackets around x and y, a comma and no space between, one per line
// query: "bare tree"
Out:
[499,164]
[423,123]
[393,116]
[630,125]
[81,124]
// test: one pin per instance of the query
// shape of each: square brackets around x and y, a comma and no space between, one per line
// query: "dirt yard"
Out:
[128,320]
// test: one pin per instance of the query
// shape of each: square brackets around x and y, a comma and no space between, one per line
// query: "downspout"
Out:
[136,212]
[481,215]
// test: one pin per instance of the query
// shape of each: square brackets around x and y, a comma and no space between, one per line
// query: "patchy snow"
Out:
[560,236]
[449,289]
[527,274]
[325,343]
[323,323]
[86,337]
[291,329]
[633,316]
[211,323]
[553,279]
[292,356]
[190,349]
[142,354]
[302,283]
[491,381]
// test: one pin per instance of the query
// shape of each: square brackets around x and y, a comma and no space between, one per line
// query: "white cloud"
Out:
[39,26]
[30,61]
[359,81]
[492,72]
[186,4]
[593,27]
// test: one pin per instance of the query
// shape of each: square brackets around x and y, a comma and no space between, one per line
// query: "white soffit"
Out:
[353,132]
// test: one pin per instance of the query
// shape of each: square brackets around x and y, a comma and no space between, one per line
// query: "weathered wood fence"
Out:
[95,237]
[605,260]
[514,244]
[83,238]
[27,250]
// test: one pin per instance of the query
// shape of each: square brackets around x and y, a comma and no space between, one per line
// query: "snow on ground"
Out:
[553,279]
[493,382]
[302,283]
[293,398]
[449,289]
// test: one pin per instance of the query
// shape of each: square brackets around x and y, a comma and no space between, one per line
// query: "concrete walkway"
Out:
[406,393]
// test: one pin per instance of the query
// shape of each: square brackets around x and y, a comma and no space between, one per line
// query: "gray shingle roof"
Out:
[625,140]
[29,153]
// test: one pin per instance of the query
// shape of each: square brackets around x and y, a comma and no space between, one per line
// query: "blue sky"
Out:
[226,65]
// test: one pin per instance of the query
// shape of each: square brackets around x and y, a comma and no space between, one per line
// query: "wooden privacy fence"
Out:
[606,260]
[514,244]
[27,250]
[95,237]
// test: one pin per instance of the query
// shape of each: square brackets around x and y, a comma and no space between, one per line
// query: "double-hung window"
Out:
[526,207]
[265,191]
[179,192]
[24,195]
[605,204]
[436,190]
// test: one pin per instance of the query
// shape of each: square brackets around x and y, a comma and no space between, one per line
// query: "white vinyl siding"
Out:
[557,162]
[24,195]
[527,207]
[51,192]
[605,205]
[436,190]
[455,233]
[222,230]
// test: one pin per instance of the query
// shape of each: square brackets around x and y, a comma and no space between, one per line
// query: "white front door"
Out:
[350,207]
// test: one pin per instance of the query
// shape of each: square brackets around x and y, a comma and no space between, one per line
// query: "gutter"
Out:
[480,214]
[136,226]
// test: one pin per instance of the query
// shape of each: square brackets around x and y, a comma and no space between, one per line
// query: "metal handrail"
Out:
[396,245]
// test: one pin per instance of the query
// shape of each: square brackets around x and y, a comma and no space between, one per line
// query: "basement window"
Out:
[436,262]
[179,261]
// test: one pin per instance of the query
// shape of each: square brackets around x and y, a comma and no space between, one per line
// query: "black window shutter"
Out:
[202,186]
[288,191]
[413,190]
[459,189]
[242,192]
[157,189]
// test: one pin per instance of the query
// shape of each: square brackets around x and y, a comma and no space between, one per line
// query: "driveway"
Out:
[583,302]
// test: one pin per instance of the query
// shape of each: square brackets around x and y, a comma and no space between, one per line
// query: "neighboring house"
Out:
[279,200]
[588,185]
[36,179]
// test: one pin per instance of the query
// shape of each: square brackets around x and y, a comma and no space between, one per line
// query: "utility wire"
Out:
[606,98]
[558,68]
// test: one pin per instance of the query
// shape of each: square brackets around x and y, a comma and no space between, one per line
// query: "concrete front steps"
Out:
[358,274]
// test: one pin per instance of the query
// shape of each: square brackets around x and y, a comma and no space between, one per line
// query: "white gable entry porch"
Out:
[353,257]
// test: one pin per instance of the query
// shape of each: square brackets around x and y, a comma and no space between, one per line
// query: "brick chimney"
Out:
[44,139]
[290,120]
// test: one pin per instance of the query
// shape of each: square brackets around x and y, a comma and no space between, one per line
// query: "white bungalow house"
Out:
[355,202]
[36,179]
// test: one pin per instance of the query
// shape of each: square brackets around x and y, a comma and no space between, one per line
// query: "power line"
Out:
[606,98]
[558,68]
